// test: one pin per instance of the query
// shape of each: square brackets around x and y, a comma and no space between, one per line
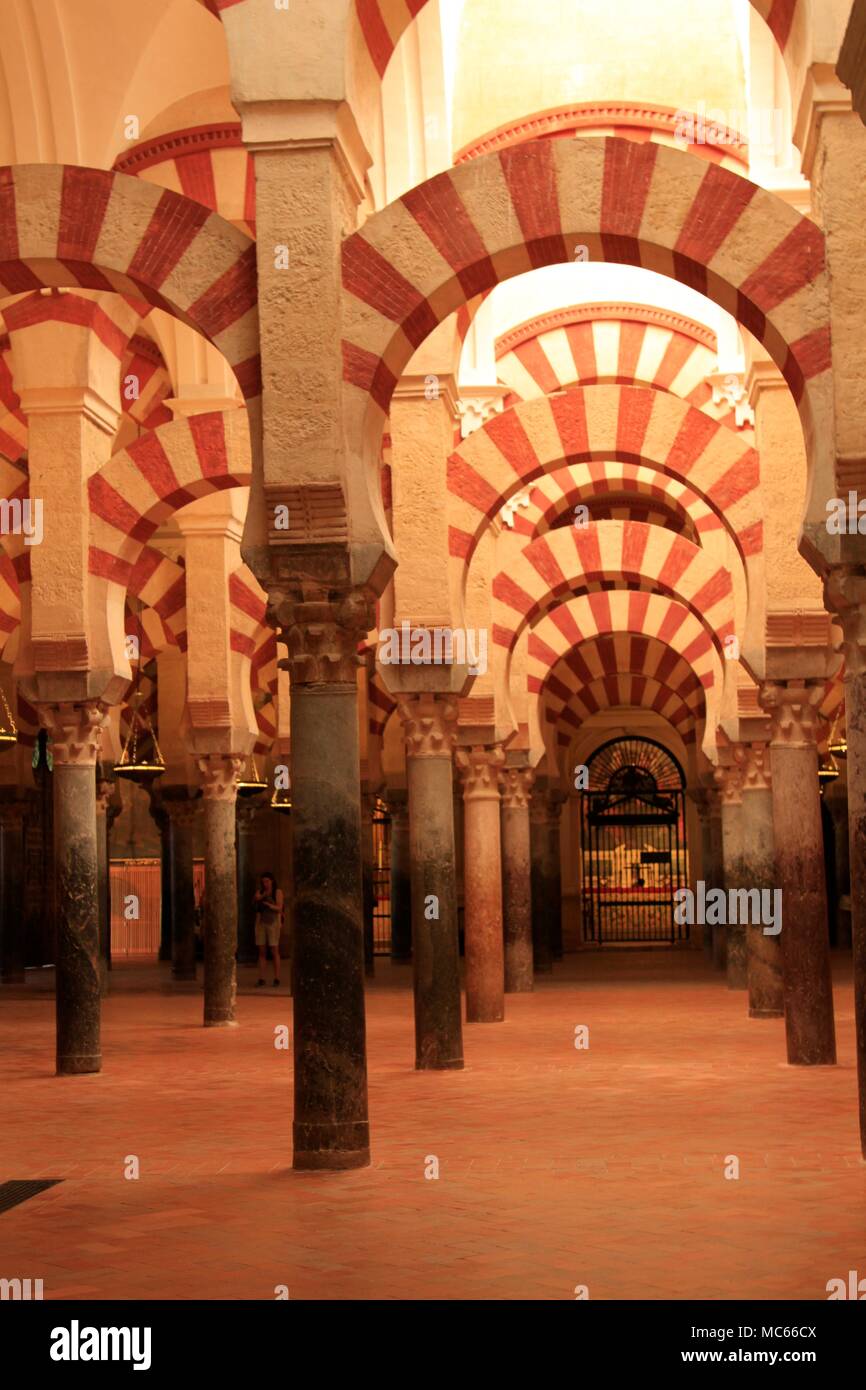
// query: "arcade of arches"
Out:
[420,425]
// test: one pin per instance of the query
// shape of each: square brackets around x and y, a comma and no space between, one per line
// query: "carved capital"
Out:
[730,784]
[75,731]
[845,597]
[754,763]
[322,631]
[429,724]
[247,810]
[793,710]
[219,776]
[104,793]
[398,806]
[479,769]
[515,783]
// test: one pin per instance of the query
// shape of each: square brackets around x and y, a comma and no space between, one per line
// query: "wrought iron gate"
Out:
[633,844]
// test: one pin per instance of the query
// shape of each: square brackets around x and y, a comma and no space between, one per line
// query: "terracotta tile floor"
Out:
[557,1167]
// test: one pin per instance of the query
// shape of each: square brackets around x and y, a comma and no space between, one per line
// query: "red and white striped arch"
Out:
[454,236]
[610,490]
[567,703]
[208,163]
[13,421]
[629,344]
[65,226]
[608,554]
[646,634]
[639,427]
[158,474]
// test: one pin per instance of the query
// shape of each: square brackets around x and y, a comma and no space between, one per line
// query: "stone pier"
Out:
[482,884]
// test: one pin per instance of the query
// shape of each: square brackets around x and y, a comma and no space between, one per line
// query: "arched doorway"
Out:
[633,844]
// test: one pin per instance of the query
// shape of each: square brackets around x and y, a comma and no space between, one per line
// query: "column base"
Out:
[498,1017]
[519,989]
[316,1149]
[456,1064]
[766,1013]
[220,1023]
[79,1065]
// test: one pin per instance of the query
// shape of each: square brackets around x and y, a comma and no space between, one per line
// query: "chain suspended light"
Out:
[8,727]
[827,769]
[251,782]
[281,799]
[140,760]
[838,745]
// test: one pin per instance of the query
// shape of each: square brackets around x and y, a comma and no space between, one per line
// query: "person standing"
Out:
[269,916]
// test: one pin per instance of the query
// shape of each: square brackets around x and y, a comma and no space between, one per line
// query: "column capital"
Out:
[479,768]
[75,730]
[845,598]
[793,710]
[754,763]
[516,786]
[247,810]
[321,629]
[219,776]
[429,724]
[729,781]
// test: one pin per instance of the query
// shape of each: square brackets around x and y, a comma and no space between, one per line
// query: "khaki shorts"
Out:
[267,933]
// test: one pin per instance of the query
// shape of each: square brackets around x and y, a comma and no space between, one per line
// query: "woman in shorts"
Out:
[269,917]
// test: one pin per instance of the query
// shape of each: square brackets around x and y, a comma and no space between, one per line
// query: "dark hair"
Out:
[274,884]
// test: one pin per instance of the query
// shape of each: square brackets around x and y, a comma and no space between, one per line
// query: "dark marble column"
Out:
[766,994]
[219,774]
[730,786]
[516,785]
[104,791]
[541,884]
[808,993]
[163,825]
[13,941]
[331,1126]
[555,801]
[430,727]
[482,876]
[368,807]
[246,811]
[74,730]
[845,595]
[401,877]
[182,811]
[836,801]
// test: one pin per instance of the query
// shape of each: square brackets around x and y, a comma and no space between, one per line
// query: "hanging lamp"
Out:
[838,744]
[136,764]
[827,769]
[251,782]
[281,799]
[8,727]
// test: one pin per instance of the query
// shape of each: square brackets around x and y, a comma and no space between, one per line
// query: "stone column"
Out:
[74,730]
[104,790]
[245,816]
[401,877]
[720,943]
[808,993]
[845,595]
[836,800]
[710,869]
[163,825]
[368,803]
[482,877]
[219,775]
[766,996]
[331,1127]
[554,870]
[13,953]
[541,892]
[430,727]
[516,785]
[182,811]
[730,786]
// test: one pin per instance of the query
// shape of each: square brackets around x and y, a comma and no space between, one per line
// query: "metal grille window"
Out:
[381,880]
[633,844]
